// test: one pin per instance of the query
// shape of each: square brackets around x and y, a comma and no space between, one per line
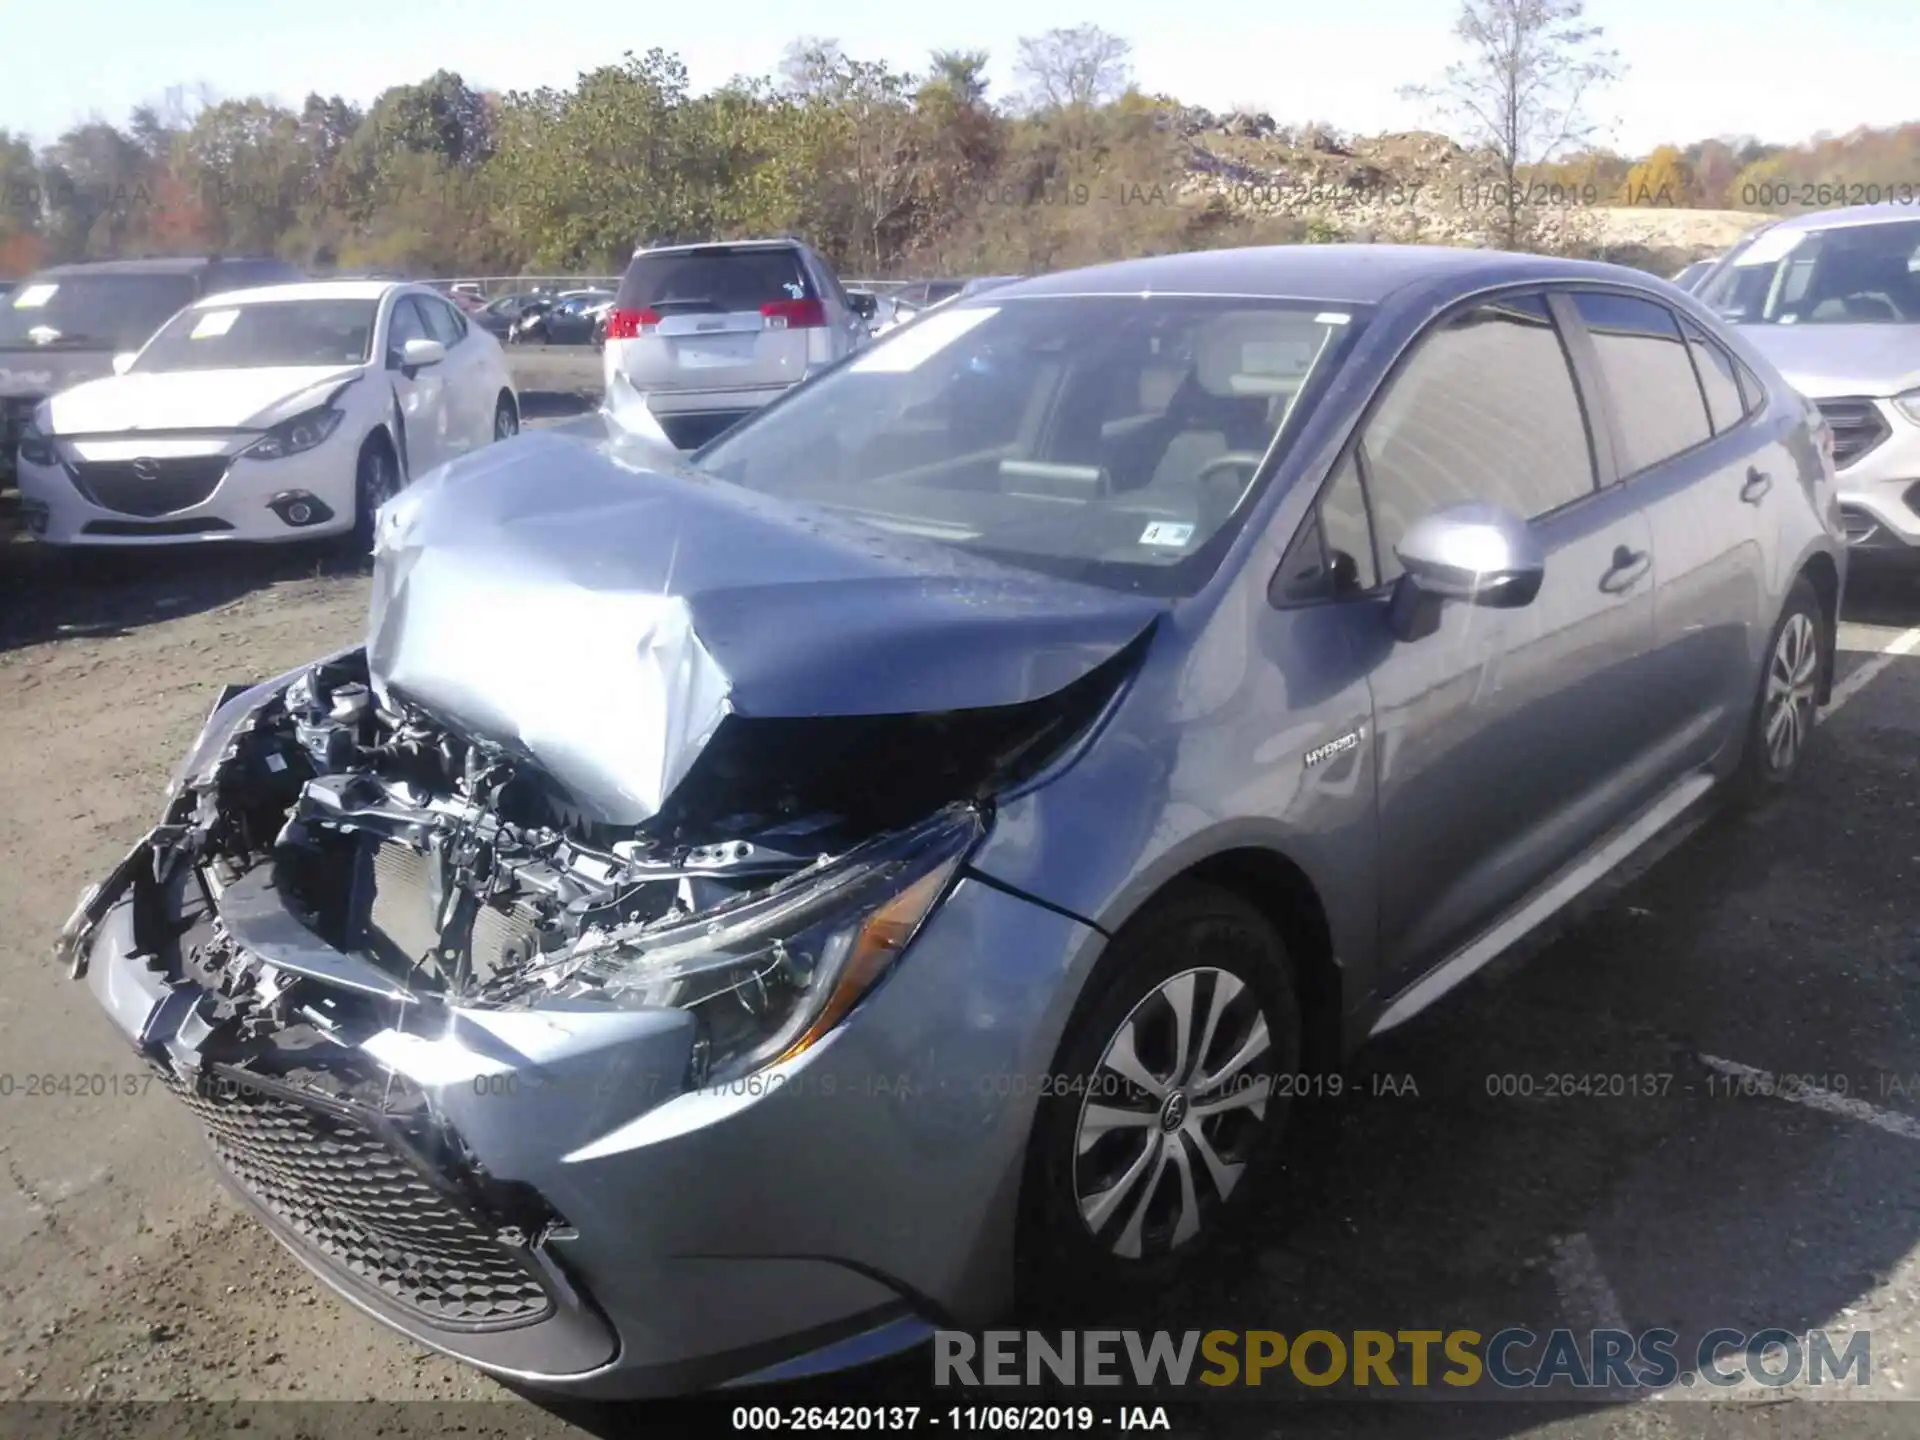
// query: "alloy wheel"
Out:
[1792,684]
[1173,1112]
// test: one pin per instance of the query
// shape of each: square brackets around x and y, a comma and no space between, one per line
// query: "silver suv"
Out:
[704,335]
[1833,300]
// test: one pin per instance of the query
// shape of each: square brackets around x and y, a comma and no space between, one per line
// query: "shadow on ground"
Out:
[51,594]
[538,405]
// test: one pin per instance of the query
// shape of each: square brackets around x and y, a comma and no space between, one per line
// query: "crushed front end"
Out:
[505,1077]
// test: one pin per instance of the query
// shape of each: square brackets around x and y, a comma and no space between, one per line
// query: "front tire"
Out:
[1167,1100]
[506,418]
[1782,721]
[376,481]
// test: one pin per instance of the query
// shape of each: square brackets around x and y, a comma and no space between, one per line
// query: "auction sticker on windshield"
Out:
[34,296]
[913,345]
[213,324]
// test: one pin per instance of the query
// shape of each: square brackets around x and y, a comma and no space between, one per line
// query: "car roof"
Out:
[157,265]
[771,243]
[305,290]
[1344,274]
[1848,217]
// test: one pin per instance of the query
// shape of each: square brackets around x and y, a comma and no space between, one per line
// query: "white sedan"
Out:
[284,413]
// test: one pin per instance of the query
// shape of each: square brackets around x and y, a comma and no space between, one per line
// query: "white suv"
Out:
[704,335]
[1833,299]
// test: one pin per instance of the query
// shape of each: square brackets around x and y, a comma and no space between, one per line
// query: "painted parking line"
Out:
[1844,690]
[1829,1102]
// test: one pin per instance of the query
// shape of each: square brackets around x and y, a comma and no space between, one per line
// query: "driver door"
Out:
[419,394]
[1510,741]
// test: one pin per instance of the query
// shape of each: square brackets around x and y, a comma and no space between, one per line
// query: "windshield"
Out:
[1847,275]
[1106,439]
[94,312]
[264,333]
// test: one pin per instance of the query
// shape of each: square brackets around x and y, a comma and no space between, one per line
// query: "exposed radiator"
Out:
[401,929]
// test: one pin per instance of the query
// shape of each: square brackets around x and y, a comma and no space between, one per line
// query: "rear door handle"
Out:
[1628,568]
[1758,483]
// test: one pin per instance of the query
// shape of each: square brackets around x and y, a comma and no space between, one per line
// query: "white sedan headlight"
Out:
[1908,404]
[301,433]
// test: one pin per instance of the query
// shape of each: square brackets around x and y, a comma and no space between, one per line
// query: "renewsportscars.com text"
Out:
[1373,1361]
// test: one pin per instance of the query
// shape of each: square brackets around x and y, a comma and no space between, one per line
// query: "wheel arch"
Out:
[1280,889]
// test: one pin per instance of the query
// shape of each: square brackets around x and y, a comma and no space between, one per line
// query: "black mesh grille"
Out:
[1858,426]
[352,1196]
[149,487]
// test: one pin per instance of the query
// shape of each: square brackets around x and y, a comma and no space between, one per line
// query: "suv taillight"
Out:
[794,314]
[630,324]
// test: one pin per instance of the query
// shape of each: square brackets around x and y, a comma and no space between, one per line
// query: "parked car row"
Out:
[940,820]
[160,402]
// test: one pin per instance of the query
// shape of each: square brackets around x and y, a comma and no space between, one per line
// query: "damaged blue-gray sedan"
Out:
[736,914]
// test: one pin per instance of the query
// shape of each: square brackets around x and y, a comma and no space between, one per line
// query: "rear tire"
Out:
[1127,1178]
[506,418]
[1781,724]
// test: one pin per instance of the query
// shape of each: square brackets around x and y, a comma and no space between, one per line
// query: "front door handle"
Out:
[1758,483]
[1628,567]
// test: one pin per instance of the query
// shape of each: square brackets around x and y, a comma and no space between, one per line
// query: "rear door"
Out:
[717,317]
[1709,484]
[1509,740]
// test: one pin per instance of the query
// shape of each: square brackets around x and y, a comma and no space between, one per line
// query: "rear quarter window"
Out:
[714,281]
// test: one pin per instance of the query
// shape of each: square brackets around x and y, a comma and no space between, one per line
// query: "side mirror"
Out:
[123,362]
[421,351]
[1476,553]
[865,304]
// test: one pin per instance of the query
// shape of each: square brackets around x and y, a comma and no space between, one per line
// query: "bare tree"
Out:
[1074,68]
[1519,91]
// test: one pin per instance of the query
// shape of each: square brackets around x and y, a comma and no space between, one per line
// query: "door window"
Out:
[442,323]
[1658,407]
[1485,410]
[1718,379]
[406,325]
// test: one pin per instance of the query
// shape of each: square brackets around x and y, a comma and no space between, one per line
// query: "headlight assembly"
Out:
[293,437]
[769,976]
[1908,404]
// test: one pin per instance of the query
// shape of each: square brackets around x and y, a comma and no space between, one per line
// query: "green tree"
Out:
[1520,91]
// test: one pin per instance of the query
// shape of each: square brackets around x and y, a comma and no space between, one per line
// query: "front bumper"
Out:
[239,507]
[1880,485]
[826,1213]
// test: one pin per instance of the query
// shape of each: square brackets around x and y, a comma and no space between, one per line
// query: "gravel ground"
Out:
[1782,941]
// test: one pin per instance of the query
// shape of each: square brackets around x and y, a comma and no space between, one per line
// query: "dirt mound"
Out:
[1416,186]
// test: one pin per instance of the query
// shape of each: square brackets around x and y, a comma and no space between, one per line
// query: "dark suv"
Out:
[65,324]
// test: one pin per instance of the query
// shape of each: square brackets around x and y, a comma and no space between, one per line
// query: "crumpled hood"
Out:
[1830,361]
[604,619]
[194,399]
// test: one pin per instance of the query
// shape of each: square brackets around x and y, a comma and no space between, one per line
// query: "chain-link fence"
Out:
[490,286]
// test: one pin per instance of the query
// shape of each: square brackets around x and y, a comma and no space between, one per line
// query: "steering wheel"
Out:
[1231,458]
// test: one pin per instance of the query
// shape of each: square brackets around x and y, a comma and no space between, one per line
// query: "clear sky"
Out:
[1779,69]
